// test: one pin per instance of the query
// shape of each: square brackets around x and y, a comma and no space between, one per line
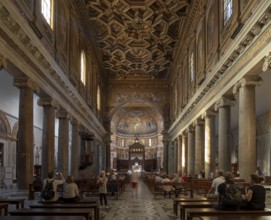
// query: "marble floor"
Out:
[138,206]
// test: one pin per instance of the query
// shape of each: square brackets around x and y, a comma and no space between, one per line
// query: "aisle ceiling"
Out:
[136,38]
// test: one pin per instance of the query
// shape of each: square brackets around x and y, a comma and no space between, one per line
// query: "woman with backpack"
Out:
[254,199]
[49,189]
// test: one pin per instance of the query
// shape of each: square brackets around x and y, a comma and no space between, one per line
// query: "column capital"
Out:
[3,62]
[63,114]
[48,101]
[222,102]
[22,82]
[190,129]
[208,113]
[198,121]
[74,121]
[184,134]
[247,81]
[267,62]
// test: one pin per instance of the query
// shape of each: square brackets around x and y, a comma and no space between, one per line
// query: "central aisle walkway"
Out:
[140,207]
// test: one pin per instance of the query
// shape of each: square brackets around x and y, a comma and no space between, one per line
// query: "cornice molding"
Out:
[247,45]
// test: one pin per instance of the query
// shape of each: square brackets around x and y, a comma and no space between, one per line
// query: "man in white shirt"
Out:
[213,193]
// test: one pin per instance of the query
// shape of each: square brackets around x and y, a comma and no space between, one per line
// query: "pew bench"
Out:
[52,212]
[178,200]
[200,212]
[68,205]
[42,218]
[19,202]
[4,207]
[235,218]
[201,204]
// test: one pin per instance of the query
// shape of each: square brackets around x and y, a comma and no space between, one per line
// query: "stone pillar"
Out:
[166,143]
[199,146]
[184,153]
[74,150]
[48,135]
[247,125]
[179,153]
[108,152]
[224,133]
[63,142]
[209,142]
[191,151]
[25,133]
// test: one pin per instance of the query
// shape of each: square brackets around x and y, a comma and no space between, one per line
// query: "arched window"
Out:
[83,68]
[47,11]
[98,98]
[227,10]
[192,68]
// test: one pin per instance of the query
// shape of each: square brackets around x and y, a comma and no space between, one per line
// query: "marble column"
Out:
[247,125]
[74,150]
[63,142]
[199,146]
[25,132]
[48,135]
[179,153]
[108,152]
[165,160]
[223,106]
[209,142]
[184,152]
[191,151]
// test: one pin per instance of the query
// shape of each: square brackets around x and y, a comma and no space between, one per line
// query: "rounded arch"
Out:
[6,125]
[15,130]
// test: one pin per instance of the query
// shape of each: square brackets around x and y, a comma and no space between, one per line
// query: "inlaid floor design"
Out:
[140,207]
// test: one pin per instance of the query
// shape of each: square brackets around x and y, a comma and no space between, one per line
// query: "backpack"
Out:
[48,192]
[232,197]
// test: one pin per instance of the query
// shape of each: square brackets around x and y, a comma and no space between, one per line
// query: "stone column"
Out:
[209,142]
[25,133]
[165,160]
[108,152]
[48,135]
[247,125]
[179,153]
[184,153]
[224,133]
[74,150]
[199,146]
[63,142]
[191,151]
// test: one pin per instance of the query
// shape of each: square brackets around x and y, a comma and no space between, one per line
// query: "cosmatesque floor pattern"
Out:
[138,206]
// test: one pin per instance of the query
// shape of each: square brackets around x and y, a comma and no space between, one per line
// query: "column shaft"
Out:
[199,146]
[179,153]
[184,153]
[75,151]
[191,153]
[25,137]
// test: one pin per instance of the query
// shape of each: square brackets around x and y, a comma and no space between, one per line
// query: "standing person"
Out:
[102,183]
[134,183]
[213,193]
[255,196]
[55,183]
[70,190]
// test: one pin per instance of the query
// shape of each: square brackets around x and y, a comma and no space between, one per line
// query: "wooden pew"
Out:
[178,200]
[68,205]
[235,218]
[4,206]
[52,212]
[201,204]
[19,202]
[42,217]
[200,212]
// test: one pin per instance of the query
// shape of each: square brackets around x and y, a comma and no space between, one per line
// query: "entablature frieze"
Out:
[248,43]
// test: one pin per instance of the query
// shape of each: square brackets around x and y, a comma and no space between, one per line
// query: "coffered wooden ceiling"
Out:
[136,38]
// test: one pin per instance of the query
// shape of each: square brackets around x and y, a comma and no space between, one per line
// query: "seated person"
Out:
[70,191]
[177,179]
[255,196]
[167,188]
[56,182]
[213,193]
[226,201]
